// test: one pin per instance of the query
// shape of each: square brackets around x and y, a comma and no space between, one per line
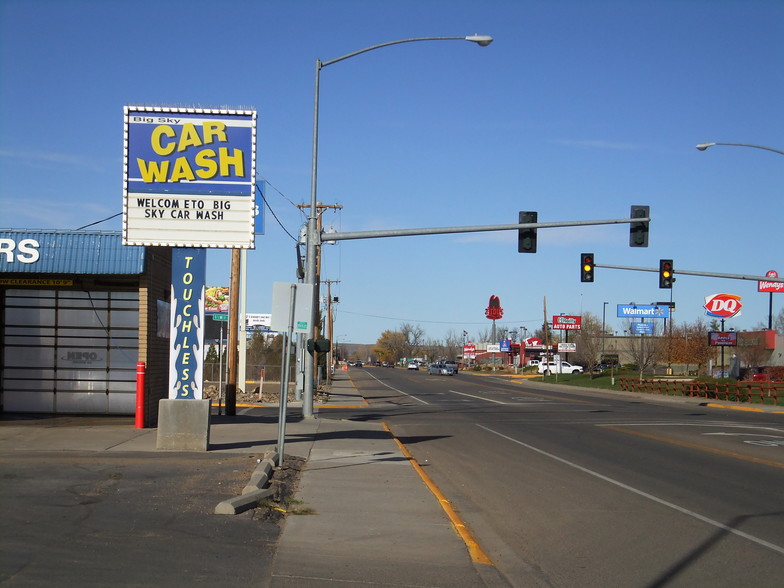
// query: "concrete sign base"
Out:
[183,425]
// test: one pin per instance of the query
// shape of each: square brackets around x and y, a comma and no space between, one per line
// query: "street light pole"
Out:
[313,238]
[704,146]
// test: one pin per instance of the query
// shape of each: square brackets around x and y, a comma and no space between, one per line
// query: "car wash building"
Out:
[79,311]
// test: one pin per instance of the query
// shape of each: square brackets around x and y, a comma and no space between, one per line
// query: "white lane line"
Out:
[395,389]
[477,397]
[651,497]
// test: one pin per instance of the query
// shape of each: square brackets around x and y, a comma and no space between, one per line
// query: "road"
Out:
[595,489]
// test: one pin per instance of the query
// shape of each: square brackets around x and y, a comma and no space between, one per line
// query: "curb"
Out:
[255,490]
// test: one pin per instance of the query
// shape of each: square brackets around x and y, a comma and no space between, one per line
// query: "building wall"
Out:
[154,297]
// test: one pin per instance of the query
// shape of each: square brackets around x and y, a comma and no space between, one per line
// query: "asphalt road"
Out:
[592,489]
[128,519]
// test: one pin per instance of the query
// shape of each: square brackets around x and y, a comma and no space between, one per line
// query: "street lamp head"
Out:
[704,146]
[481,40]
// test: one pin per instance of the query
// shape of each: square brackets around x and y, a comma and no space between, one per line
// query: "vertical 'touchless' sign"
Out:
[189,177]
[186,354]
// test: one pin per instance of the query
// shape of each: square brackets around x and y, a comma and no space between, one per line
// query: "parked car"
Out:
[563,367]
[388,364]
[452,364]
[412,365]
[440,369]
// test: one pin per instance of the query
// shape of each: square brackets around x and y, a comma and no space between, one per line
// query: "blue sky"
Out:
[578,110]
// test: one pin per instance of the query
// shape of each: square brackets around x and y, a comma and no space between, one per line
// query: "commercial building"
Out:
[79,311]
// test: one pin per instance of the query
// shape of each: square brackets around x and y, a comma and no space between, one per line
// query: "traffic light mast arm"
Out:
[680,272]
[473,229]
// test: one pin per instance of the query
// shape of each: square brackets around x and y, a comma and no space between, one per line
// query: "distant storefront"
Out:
[79,310]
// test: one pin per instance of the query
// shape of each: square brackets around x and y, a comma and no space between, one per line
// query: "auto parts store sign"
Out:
[189,177]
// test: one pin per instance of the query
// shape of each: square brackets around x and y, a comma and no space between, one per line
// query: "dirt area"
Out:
[269,395]
[284,482]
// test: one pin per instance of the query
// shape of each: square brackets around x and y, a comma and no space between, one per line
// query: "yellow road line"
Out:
[476,552]
[731,454]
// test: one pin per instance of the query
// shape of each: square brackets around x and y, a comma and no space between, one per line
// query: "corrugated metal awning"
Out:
[34,251]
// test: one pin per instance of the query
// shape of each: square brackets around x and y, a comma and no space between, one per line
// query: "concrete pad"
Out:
[183,425]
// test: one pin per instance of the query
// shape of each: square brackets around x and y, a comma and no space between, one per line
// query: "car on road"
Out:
[452,364]
[412,365]
[388,364]
[440,369]
[562,367]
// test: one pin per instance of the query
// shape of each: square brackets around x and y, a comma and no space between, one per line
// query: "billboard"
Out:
[769,286]
[643,311]
[722,306]
[189,177]
[567,323]
[722,338]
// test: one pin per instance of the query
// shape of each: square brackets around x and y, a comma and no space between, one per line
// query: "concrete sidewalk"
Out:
[374,520]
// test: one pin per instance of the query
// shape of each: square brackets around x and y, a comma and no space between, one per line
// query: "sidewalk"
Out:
[374,520]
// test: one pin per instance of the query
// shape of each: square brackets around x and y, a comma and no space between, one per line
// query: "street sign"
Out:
[220,316]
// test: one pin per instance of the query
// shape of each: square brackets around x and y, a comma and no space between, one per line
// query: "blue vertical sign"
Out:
[186,355]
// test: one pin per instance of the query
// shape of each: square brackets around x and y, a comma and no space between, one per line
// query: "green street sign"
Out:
[220,316]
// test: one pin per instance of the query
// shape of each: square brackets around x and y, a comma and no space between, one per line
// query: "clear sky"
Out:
[578,110]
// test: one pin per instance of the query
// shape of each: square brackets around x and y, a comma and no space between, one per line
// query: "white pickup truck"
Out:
[563,367]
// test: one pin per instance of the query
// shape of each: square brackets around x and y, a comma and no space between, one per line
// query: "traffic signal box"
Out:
[586,267]
[526,238]
[665,273]
[638,231]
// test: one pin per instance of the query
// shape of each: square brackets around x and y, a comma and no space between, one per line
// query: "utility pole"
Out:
[330,329]
[307,401]
[234,313]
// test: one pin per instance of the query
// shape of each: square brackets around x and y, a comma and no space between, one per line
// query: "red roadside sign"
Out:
[764,286]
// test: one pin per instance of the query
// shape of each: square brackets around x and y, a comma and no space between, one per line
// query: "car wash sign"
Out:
[189,177]
[186,352]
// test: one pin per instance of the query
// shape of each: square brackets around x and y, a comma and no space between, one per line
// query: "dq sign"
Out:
[722,306]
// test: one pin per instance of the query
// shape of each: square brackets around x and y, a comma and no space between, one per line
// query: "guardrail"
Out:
[755,392]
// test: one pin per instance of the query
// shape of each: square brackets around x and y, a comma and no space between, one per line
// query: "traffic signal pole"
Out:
[691,273]
[473,229]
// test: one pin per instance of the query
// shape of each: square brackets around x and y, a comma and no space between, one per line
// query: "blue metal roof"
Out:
[33,251]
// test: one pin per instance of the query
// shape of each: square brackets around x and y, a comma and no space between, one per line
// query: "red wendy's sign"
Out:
[770,286]
[494,310]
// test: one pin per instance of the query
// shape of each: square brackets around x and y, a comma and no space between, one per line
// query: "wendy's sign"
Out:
[494,310]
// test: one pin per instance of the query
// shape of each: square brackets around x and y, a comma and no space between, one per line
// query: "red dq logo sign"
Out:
[722,306]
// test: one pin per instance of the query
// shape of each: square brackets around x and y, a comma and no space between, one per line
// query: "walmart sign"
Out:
[643,311]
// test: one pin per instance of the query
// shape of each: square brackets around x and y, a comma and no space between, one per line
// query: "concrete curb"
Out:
[256,489]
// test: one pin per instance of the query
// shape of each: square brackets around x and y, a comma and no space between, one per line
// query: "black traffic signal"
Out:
[321,345]
[526,238]
[665,273]
[586,267]
[638,231]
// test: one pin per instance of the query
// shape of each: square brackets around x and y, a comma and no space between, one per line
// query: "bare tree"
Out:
[589,341]
[645,350]
[453,345]
[414,337]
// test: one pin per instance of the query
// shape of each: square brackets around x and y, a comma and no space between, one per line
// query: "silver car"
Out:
[440,369]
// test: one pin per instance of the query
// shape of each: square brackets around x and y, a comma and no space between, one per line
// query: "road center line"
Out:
[395,389]
[477,397]
[651,497]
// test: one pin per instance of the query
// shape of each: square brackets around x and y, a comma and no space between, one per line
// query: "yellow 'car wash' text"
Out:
[207,163]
